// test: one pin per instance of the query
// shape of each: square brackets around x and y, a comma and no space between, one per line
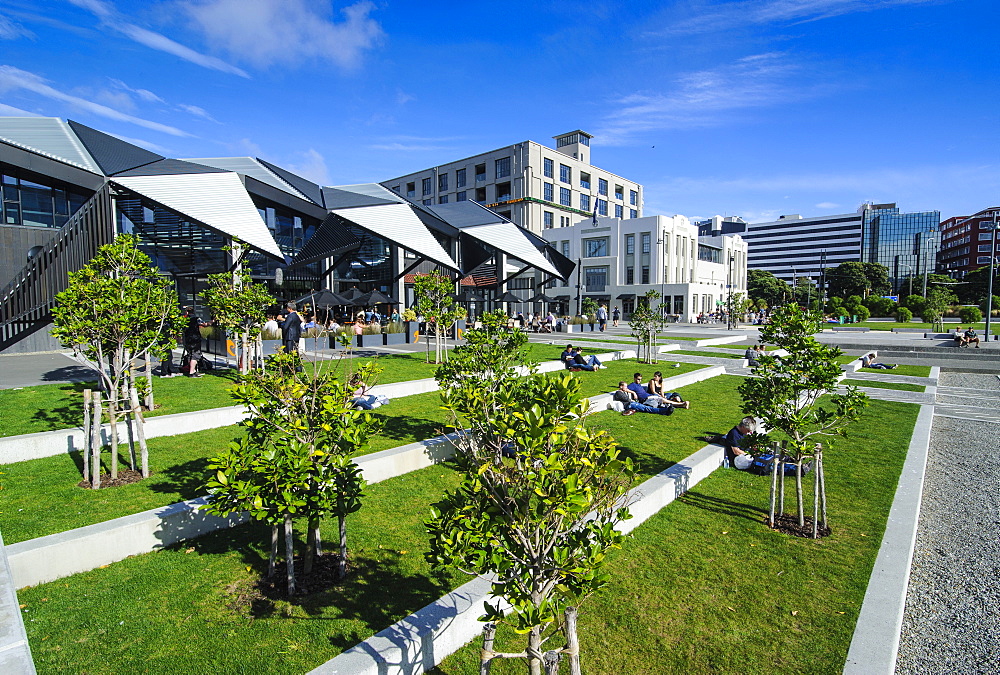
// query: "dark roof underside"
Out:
[166,167]
[112,154]
[306,187]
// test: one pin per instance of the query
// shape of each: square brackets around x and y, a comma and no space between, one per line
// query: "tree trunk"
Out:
[551,662]
[572,642]
[310,556]
[798,493]
[486,655]
[815,500]
[274,551]
[290,555]
[87,435]
[140,432]
[149,382]
[822,485]
[317,539]
[534,645]
[774,482]
[95,440]
[245,351]
[781,480]
[113,421]
[342,563]
[128,413]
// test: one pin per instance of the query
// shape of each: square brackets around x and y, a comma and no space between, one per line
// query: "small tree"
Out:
[789,394]
[435,302]
[588,308]
[116,309]
[903,315]
[239,306]
[541,493]
[970,315]
[296,460]
[646,323]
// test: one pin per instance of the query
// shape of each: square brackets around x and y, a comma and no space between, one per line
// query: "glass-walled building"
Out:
[905,243]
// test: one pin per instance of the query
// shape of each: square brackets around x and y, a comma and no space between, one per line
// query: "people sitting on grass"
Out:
[630,400]
[642,392]
[734,438]
[672,398]
[588,363]
[868,361]
[567,356]
[363,399]
[751,355]
[971,337]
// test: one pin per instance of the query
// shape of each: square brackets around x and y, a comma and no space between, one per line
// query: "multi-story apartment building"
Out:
[535,186]
[966,242]
[618,260]
[793,246]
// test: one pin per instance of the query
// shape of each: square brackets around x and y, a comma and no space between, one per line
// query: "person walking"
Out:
[291,329]
[602,317]
[616,316]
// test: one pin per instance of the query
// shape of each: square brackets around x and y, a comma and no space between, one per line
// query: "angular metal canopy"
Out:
[249,166]
[509,238]
[217,200]
[50,137]
[398,224]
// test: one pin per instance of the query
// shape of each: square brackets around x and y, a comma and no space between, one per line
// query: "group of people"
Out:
[649,397]
[966,338]
[573,358]
[752,353]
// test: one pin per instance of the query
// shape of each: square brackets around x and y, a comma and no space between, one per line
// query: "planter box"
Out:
[458,329]
[566,328]
[393,338]
[368,340]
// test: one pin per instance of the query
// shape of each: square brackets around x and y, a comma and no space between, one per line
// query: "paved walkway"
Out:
[28,370]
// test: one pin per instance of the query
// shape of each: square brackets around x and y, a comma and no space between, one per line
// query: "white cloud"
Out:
[11,30]
[703,98]
[827,205]
[11,111]
[197,112]
[15,79]
[285,32]
[311,165]
[404,143]
[712,17]
[142,94]
[402,98]
[110,18]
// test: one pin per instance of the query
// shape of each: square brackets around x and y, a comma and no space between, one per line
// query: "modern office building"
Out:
[793,246]
[535,186]
[619,260]
[68,189]
[966,242]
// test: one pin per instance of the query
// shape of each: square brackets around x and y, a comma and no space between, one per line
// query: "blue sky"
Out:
[753,108]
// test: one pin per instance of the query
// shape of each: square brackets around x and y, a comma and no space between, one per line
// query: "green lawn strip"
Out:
[889,325]
[178,465]
[901,386]
[184,609]
[705,587]
[902,369]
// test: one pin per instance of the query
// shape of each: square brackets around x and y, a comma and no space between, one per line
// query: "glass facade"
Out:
[34,201]
[906,243]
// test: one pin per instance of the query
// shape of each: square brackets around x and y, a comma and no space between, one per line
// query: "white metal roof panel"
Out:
[509,238]
[48,136]
[372,190]
[249,166]
[218,200]
[399,224]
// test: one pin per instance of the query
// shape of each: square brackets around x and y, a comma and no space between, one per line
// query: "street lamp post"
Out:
[989,285]
[729,313]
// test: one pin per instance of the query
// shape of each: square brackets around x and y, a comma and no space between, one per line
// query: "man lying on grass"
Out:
[630,400]
[649,396]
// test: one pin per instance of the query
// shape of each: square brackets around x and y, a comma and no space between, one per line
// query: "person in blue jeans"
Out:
[628,398]
[588,363]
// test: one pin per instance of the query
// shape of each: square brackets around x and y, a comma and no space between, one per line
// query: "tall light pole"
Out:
[925,265]
[989,285]
[663,266]
[729,313]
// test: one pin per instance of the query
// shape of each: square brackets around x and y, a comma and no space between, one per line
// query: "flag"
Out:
[595,212]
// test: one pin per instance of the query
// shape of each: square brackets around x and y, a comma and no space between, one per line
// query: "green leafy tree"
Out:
[792,394]
[857,278]
[646,323]
[975,284]
[589,309]
[117,308]
[297,458]
[903,315]
[762,285]
[805,291]
[984,305]
[915,303]
[239,305]
[938,300]
[880,306]
[541,493]
[970,315]
[435,302]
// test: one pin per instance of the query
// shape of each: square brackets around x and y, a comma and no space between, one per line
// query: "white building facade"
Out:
[619,260]
[537,187]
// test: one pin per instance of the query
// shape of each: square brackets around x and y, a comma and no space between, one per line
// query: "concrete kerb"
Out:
[15,654]
[425,638]
[875,644]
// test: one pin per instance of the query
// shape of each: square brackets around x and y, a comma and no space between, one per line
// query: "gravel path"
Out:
[952,619]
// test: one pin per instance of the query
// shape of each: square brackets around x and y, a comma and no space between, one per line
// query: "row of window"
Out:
[33,204]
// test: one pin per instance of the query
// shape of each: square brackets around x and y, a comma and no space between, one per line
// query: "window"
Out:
[565,174]
[522,283]
[585,180]
[602,207]
[984,248]
[585,202]
[619,211]
[503,191]
[547,192]
[480,173]
[629,244]
[629,276]
[461,197]
[602,187]
[619,192]
[678,304]
[628,306]
[985,236]
[565,248]
[645,274]
[481,195]
[547,219]
[632,213]
[595,248]
[411,189]
[426,186]
[645,242]
[547,168]
[428,202]
[595,278]
[443,199]
[502,167]
[633,197]
[395,189]
[564,197]
[443,182]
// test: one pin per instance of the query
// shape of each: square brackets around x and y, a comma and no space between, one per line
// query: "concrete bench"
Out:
[851,329]
[908,330]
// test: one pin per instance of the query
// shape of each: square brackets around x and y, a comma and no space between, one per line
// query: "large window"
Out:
[547,191]
[565,174]
[619,192]
[629,244]
[632,213]
[411,189]
[595,248]
[565,197]
[645,274]
[547,168]
[461,196]
[596,279]
[602,207]
[645,242]
[585,202]
[547,219]
[602,187]
[633,197]
[443,199]
[32,204]
[565,248]
[585,180]
[619,211]
[426,186]
[443,182]
[502,167]
[480,173]
[460,178]
[629,276]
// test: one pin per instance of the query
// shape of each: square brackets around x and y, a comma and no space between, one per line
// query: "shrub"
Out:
[915,303]
[862,313]
[903,315]
[970,315]
[996,305]
[880,306]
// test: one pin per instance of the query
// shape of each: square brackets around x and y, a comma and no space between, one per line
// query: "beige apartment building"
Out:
[535,186]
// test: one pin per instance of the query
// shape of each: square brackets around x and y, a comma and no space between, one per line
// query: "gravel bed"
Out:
[952,619]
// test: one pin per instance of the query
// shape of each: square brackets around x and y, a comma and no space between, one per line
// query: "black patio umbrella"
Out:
[509,297]
[350,295]
[541,297]
[371,298]
[323,298]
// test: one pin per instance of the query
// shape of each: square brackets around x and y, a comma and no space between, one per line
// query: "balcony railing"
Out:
[480,177]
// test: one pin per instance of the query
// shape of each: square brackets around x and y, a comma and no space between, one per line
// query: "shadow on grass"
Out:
[70,414]
[646,463]
[723,506]
[186,479]
[406,427]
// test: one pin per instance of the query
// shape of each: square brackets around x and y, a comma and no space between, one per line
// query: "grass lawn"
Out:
[901,386]
[178,464]
[902,369]
[705,587]
[185,609]
[889,325]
